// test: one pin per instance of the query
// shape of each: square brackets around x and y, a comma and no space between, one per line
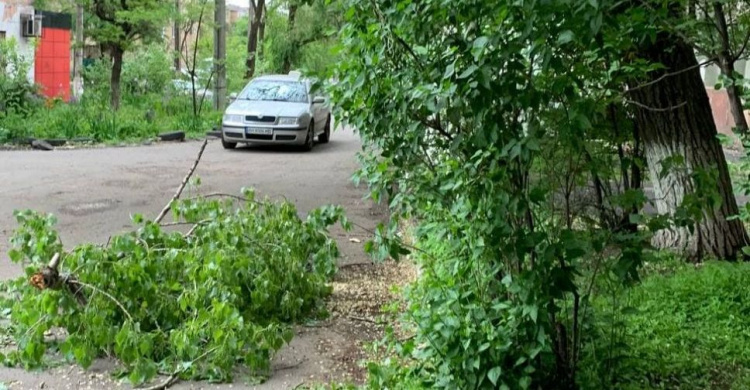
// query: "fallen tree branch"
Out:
[106,294]
[192,230]
[342,266]
[177,194]
[364,319]
[49,278]
[174,378]
[295,365]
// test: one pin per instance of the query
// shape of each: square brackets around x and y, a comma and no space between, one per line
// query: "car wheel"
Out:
[227,145]
[310,140]
[325,137]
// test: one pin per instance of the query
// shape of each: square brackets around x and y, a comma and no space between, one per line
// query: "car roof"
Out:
[280,77]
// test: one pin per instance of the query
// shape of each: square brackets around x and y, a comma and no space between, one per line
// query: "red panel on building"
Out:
[52,63]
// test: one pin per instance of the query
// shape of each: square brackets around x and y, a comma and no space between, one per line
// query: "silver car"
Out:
[277,109]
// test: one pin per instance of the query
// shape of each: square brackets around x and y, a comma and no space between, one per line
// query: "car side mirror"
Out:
[233,96]
[319,100]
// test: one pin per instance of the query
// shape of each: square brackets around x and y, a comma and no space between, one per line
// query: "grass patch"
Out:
[691,330]
[92,118]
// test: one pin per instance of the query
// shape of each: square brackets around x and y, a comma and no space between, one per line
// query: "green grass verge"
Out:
[690,330]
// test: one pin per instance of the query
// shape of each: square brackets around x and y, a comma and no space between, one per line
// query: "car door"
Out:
[318,111]
[320,115]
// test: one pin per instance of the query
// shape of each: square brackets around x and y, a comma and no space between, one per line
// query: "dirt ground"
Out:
[94,191]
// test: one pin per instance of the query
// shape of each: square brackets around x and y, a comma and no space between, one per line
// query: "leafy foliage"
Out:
[196,304]
[501,129]
[15,90]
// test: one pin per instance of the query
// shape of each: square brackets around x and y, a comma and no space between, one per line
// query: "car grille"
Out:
[268,137]
[263,119]
[286,137]
[233,135]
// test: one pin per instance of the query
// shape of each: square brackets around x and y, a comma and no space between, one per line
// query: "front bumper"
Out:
[285,136]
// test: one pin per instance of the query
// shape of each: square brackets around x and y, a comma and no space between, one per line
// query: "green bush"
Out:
[147,70]
[17,94]
[691,330]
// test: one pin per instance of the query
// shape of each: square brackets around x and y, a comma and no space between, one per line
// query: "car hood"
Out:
[254,107]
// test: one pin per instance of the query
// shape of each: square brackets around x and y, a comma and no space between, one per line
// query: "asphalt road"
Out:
[94,191]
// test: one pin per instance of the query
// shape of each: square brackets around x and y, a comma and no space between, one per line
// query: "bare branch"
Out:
[655,109]
[182,185]
[106,294]
[670,74]
[741,52]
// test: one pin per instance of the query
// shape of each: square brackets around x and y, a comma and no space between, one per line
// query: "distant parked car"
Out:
[276,109]
[185,87]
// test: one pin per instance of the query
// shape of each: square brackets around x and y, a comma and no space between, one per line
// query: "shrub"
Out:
[147,70]
[16,91]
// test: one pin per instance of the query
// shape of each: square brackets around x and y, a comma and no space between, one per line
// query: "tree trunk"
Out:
[220,54]
[734,92]
[261,33]
[176,33]
[726,64]
[256,13]
[78,55]
[287,65]
[114,81]
[674,117]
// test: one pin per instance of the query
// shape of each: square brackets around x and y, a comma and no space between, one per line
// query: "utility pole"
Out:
[220,54]
[78,55]
[176,34]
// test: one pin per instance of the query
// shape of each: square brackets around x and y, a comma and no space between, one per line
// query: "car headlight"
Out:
[288,120]
[233,118]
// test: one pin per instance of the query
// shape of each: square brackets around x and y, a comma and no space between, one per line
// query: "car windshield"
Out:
[275,90]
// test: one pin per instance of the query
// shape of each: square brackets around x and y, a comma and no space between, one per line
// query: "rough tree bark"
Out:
[674,117]
[256,14]
[116,52]
[726,64]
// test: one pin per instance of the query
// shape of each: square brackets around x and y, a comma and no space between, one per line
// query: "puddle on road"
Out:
[87,208]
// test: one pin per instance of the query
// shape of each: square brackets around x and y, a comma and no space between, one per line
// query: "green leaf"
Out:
[565,37]
[481,42]
[450,70]
[468,72]
[494,374]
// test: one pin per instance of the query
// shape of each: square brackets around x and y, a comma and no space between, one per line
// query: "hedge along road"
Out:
[94,191]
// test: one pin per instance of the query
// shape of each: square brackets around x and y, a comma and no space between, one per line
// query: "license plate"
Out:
[259,130]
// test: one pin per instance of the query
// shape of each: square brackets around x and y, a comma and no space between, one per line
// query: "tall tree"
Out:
[253,35]
[720,31]
[674,116]
[120,24]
